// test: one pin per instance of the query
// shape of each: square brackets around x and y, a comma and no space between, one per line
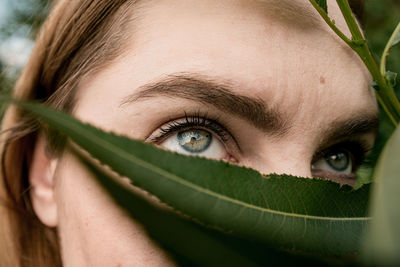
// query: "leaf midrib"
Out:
[123,154]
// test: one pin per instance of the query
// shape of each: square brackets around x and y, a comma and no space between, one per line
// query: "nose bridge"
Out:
[291,167]
[286,160]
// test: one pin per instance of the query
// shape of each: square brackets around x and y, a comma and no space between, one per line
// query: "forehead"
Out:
[280,52]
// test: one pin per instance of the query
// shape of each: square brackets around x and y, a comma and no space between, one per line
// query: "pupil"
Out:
[194,141]
[338,161]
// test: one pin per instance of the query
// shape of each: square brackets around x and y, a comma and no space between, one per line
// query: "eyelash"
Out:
[358,149]
[192,121]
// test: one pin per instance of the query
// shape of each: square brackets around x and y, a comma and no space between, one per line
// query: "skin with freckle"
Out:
[267,59]
[279,53]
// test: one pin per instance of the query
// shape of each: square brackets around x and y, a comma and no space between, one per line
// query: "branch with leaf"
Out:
[384,81]
[381,245]
[253,210]
[236,216]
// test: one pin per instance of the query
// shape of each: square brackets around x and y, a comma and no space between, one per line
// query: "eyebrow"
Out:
[356,126]
[219,94]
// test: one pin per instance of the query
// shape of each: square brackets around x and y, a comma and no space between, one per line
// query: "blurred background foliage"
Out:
[381,18]
[20,21]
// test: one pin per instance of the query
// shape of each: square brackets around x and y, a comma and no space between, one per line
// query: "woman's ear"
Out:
[41,180]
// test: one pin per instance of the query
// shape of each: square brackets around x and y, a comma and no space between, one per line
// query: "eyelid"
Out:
[193,120]
[349,179]
[358,149]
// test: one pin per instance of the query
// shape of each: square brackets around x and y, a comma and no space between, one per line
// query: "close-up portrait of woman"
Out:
[264,84]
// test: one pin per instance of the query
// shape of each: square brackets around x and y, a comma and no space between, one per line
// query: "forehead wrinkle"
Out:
[219,94]
[294,14]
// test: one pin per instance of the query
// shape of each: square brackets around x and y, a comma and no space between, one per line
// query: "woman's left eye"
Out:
[338,161]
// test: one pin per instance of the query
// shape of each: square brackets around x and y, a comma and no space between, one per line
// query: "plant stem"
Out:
[386,96]
[330,22]
[350,21]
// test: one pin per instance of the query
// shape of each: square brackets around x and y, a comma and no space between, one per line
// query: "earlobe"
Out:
[41,180]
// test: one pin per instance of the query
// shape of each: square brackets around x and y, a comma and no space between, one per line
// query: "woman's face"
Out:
[264,84]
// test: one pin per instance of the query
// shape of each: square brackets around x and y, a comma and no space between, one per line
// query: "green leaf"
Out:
[391,78]
[364,176]
[393,40]
[322,4]
[309,215]
[189,243]
[396,36]
[173,232]
[382,241]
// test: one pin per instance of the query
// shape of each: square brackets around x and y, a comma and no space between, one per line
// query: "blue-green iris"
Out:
[339,161]
[194,140]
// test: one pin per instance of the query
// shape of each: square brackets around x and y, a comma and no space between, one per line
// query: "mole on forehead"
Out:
[270,119]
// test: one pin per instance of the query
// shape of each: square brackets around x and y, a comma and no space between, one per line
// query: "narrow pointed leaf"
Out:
[301,214]
[171,231]
[393,40]
[391,78]
[396,36]
[189,243]
[382,242]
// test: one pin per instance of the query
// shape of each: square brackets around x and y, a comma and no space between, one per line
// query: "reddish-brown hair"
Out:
[77,38]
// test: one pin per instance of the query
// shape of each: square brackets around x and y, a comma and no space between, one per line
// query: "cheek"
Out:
[93,230]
